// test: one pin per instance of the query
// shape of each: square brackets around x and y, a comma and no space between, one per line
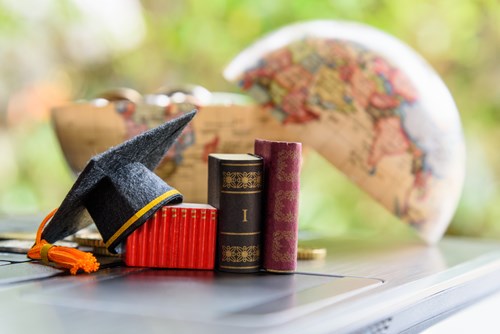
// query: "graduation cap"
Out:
[119,191]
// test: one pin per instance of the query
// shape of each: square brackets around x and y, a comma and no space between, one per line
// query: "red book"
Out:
[282,162]
[175,237]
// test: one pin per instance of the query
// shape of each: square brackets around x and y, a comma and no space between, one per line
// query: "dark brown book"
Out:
[281,197]
[235,189]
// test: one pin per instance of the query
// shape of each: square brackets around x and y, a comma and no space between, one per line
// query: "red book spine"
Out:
[143,237]
[196,240]
[181,257]
[190,245]
[173,238]
[155,236]
[164,229]
[203,241]
[211,244]
[282,162]
[131,250]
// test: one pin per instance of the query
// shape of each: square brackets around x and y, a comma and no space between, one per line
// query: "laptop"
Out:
[362,286]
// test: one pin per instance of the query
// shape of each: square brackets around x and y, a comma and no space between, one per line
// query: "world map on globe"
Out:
[368,104]
[312,77]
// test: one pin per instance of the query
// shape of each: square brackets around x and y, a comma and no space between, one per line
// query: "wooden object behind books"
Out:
[84,130]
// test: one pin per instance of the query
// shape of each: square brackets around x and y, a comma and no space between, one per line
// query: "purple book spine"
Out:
[282,161]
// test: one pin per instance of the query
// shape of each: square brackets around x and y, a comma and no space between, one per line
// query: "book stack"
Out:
[250,223]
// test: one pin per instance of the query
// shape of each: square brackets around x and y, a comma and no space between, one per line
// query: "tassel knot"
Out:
[65,257]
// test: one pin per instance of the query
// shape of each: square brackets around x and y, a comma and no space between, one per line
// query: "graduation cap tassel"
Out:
[66,257]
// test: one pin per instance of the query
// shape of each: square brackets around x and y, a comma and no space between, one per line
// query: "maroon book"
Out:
[282,162]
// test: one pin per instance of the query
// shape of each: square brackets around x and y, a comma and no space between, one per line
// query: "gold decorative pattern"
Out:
[238,254]
[282,164]
[283,241]
[241,180]
[280,214]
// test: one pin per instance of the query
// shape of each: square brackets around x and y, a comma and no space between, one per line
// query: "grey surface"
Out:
[207,296]
[11,257]
[422,284]
[26,271]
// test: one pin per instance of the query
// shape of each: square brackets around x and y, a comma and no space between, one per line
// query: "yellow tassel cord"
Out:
[66,257]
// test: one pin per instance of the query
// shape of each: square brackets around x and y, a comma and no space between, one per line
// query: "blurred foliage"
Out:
[76,49]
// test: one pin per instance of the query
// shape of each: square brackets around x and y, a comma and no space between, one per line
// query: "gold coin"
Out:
[18,236]
[304,253]
[103,251]
[89,239]
[120,94]
[23,246]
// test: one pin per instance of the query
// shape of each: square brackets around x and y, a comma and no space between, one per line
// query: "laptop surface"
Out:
[361,286]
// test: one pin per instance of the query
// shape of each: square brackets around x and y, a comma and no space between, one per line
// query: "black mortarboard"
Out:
[118,188]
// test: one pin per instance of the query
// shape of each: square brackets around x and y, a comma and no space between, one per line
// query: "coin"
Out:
[120,94]
[23,246]
[17,235]
[103,251]
[89,239]
[304,253]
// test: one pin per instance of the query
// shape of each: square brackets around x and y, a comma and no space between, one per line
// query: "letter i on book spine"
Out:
[235,189]
[282,162]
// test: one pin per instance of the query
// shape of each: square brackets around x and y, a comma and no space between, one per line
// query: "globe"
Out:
[371,106]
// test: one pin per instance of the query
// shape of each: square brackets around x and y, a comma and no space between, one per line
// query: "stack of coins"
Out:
[304,253]
[93,240]
[23,246]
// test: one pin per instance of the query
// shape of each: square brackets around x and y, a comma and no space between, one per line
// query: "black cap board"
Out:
[118,187]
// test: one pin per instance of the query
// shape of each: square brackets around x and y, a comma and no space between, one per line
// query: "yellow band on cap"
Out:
[139,214]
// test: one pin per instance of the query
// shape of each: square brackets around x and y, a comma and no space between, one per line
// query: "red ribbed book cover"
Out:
[282,162]
[178,236]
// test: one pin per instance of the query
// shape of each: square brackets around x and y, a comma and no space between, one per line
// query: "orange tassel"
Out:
[66,257]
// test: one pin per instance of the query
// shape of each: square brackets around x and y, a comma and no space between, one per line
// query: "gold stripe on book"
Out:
[234,267]
[242,233]
[241,192]
[259,164]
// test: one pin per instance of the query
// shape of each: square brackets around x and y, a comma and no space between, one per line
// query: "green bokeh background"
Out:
[191,42]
